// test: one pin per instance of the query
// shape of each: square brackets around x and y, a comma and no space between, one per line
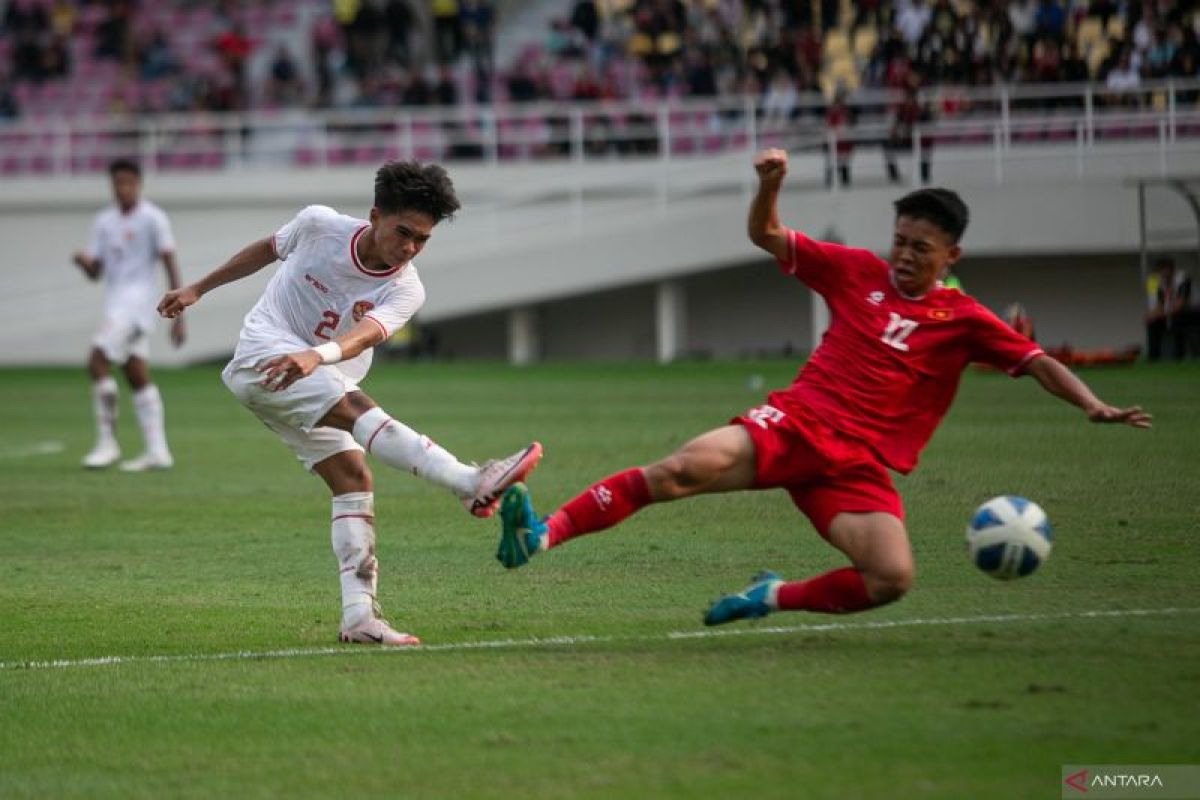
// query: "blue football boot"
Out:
[750,603]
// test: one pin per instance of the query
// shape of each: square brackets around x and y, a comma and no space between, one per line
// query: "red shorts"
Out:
[825,472]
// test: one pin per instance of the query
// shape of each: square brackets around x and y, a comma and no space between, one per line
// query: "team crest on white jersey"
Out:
[360,309]
[875,297]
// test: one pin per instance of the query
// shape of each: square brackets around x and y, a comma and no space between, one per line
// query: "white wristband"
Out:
[330,352]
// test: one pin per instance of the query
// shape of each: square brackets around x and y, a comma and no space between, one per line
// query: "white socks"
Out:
[354,545]
[104,405]
[399,446]
[147,402]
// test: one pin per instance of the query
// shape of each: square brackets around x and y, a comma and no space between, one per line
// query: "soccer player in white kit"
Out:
[127,238]
[345,286]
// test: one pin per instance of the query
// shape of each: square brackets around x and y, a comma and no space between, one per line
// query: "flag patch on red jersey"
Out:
[941,314]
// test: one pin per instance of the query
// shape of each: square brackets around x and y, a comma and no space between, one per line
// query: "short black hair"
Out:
[124,165]
[1164,262]
[413,186]
[941,207]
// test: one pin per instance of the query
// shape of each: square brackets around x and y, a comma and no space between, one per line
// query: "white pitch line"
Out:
[46,448]
[568,641]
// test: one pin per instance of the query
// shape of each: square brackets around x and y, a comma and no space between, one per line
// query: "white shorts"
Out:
[295,412]
[121,340]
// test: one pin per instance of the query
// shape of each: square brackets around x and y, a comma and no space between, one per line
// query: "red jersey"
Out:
[888,367]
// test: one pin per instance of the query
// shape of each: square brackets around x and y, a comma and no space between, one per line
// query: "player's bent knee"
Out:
[890,583]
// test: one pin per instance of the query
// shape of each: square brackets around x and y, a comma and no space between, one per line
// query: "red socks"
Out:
[841,591]
[600,506]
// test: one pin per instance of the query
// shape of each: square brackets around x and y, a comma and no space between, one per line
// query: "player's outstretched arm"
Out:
[1061,382]
[282,371]
[171,265]
[90,266]
[763,225]
[249,260]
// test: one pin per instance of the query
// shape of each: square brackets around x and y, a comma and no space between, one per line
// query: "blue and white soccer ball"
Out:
[1009,537]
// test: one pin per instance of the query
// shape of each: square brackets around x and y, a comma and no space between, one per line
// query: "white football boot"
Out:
[497,475]
[104,454]
[377,631]
[148,461]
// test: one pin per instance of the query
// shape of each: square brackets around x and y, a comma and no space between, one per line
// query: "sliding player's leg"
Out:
[721,460]
[399,446]
[859,512]
[148,406]
[881,572]
[352,535]
[106,451]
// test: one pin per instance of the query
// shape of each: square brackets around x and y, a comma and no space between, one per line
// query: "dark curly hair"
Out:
[942,207]
[412,186]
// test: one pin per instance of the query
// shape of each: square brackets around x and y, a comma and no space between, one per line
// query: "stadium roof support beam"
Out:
[670,320]
[524,336]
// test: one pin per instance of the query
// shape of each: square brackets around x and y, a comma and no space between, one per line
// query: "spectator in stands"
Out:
[56,58]
[839,119]
[586,19]
[114,33]
[906,119]
[284,85]
[324,40]
[1171,319]
[830,12]
[417,93]
[446,91]
[366,39]
[1160,55]
[1075,68]
[475,25]
[780,102]
[912,21]
[9,108]
[1124,80]
[400,20]
[1104,9]
[447,30]
[1050,21]
[155,58]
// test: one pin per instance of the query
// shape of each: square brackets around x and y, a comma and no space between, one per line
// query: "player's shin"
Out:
[841,591]
[147,403]
[353,539]
[600,506]
[399,446]
[104,405]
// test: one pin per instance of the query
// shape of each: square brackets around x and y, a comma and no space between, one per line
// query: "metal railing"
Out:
[992,122]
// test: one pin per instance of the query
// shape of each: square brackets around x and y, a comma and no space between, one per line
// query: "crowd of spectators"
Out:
[387,53]
[776,47]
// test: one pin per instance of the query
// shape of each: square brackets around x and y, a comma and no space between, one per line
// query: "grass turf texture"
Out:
[230,552]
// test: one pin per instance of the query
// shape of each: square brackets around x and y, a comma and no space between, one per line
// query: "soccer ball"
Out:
[1009,537]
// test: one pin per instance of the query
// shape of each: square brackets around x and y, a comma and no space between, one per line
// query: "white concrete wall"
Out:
[539,234]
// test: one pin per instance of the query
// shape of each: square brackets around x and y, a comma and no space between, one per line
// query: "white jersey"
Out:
[322,290]
[127,245]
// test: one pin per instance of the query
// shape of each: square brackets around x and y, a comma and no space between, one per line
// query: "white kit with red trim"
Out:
[128,245]
[322,290]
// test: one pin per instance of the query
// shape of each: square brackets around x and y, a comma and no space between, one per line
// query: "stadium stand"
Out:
[223,83]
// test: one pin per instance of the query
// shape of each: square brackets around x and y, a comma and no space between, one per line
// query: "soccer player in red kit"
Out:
[867,401]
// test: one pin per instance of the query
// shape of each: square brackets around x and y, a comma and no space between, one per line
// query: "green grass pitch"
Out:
[229,552]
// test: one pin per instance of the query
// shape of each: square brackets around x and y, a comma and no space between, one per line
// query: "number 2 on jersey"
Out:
[330,320]
[898,329]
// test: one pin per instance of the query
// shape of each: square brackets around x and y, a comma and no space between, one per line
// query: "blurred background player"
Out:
[1171,320]
[127,238]
[867,401]
[346,285]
